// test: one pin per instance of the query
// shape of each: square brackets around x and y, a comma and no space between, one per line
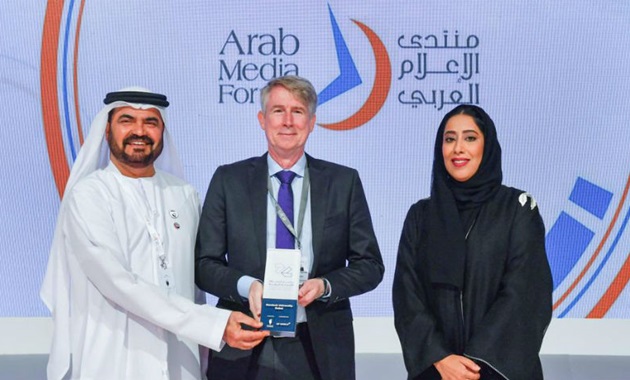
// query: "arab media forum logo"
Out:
[350,78]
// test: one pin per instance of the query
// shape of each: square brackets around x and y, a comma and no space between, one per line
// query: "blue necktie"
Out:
[284,238]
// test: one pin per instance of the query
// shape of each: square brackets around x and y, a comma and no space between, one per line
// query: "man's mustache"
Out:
[135,138]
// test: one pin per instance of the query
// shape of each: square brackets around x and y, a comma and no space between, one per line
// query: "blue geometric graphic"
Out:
[348,74]
[566,242]
[590,197]
[599,268]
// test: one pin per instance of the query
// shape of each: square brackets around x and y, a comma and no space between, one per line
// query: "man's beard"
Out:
[135,159]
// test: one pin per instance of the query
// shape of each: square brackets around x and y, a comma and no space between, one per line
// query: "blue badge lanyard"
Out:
[283,217]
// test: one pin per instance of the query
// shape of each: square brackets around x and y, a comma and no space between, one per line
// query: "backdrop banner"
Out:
[552,75]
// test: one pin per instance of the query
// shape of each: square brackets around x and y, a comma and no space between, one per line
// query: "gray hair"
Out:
[300,88]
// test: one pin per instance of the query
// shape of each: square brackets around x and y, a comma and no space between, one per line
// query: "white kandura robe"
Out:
[122,324]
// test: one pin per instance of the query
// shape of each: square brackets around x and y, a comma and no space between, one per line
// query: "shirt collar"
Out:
[298,168]
[111,167]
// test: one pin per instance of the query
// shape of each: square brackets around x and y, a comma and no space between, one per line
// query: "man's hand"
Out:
[311,290]
[456,367]
[237,337]
[255,299]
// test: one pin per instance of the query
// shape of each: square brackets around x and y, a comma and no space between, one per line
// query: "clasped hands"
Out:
[456,367]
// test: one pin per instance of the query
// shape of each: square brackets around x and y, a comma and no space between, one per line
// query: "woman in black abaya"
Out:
[472,288]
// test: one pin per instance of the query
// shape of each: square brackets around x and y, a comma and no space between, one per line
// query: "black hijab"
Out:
[450,200]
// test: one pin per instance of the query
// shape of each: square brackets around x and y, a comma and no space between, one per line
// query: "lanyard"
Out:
[283,217]
[164,270]
[158,244]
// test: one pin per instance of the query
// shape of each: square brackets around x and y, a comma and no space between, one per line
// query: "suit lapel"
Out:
[320,183]
[257,182]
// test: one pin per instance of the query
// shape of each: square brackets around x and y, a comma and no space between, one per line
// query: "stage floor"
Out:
[384,366]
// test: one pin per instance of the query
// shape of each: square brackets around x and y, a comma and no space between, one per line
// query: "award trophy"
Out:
[280,292]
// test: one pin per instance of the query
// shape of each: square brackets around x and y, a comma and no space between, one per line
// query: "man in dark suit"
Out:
[340,257]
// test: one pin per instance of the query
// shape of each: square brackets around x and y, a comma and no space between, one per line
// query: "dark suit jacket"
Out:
[232,242]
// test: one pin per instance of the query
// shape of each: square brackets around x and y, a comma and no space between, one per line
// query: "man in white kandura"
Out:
[119,282]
